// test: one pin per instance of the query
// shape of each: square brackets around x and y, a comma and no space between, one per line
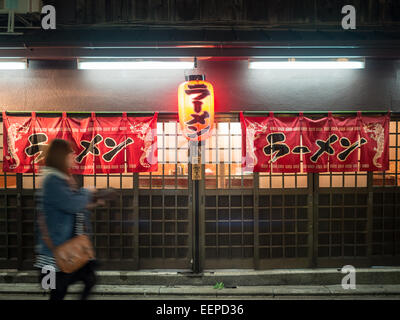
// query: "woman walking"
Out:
[65,213]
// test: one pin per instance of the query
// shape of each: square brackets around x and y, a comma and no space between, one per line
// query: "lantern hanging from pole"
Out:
[196,107]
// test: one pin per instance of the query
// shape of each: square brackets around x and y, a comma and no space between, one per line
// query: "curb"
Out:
[282,277]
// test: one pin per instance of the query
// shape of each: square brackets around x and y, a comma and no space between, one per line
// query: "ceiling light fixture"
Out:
[94,64]
[295,63]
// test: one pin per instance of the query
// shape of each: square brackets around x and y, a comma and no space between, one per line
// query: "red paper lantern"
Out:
[196,108]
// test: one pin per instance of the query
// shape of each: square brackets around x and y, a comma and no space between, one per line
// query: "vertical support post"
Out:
[313,185]
[194,158]
[196,202]
[370,215]
[201,221]
[256,183]
[79,180]
[19,220]
[136,220]
[190,206]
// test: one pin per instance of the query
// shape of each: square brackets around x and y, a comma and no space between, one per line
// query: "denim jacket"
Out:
[59,203]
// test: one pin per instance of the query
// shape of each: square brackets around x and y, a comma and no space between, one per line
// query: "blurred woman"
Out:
[65,210]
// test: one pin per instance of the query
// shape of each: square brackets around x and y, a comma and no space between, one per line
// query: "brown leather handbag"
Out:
[72,254]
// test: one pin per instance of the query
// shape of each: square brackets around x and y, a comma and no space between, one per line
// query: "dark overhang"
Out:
[202,42]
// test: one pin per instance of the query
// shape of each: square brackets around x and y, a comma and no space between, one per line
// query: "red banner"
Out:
[268,141]
[142,155]
[316,140]
[252,147]
[80,134]
[101,144]
[336,144]
[284,133]
[17,137]
[46,129]
[375,151]
[109,140]
[345,130]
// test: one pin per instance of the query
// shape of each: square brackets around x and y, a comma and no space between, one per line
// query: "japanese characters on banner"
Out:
[284,133]
[345,141]
[109,140]
[336,144]
[266,144]
[80,134]
[101,144]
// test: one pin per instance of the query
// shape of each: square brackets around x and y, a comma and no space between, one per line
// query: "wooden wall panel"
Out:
[160,10]
[230,12]
[186,10]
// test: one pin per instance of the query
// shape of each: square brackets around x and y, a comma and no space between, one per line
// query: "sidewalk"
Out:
[277,283]
[231,278]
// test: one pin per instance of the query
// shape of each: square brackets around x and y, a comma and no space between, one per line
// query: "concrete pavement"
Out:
[231,278]
[381,282]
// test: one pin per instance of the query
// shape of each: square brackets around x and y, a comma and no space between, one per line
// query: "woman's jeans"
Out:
[63,280]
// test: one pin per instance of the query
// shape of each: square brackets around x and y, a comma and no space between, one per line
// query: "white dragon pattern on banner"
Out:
[378,135]
[253,132]
[14,132]
[146,135]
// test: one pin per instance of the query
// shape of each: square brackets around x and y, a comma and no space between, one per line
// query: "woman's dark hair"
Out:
[56,155]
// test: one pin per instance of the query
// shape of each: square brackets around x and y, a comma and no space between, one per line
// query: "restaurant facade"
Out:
[197,207]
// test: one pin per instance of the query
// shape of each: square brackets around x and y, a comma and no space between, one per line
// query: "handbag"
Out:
[72,254]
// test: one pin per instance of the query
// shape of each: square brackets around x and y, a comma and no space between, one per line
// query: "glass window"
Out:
[173,158]
[223,157]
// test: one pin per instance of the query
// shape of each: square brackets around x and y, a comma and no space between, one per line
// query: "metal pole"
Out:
[196,265]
